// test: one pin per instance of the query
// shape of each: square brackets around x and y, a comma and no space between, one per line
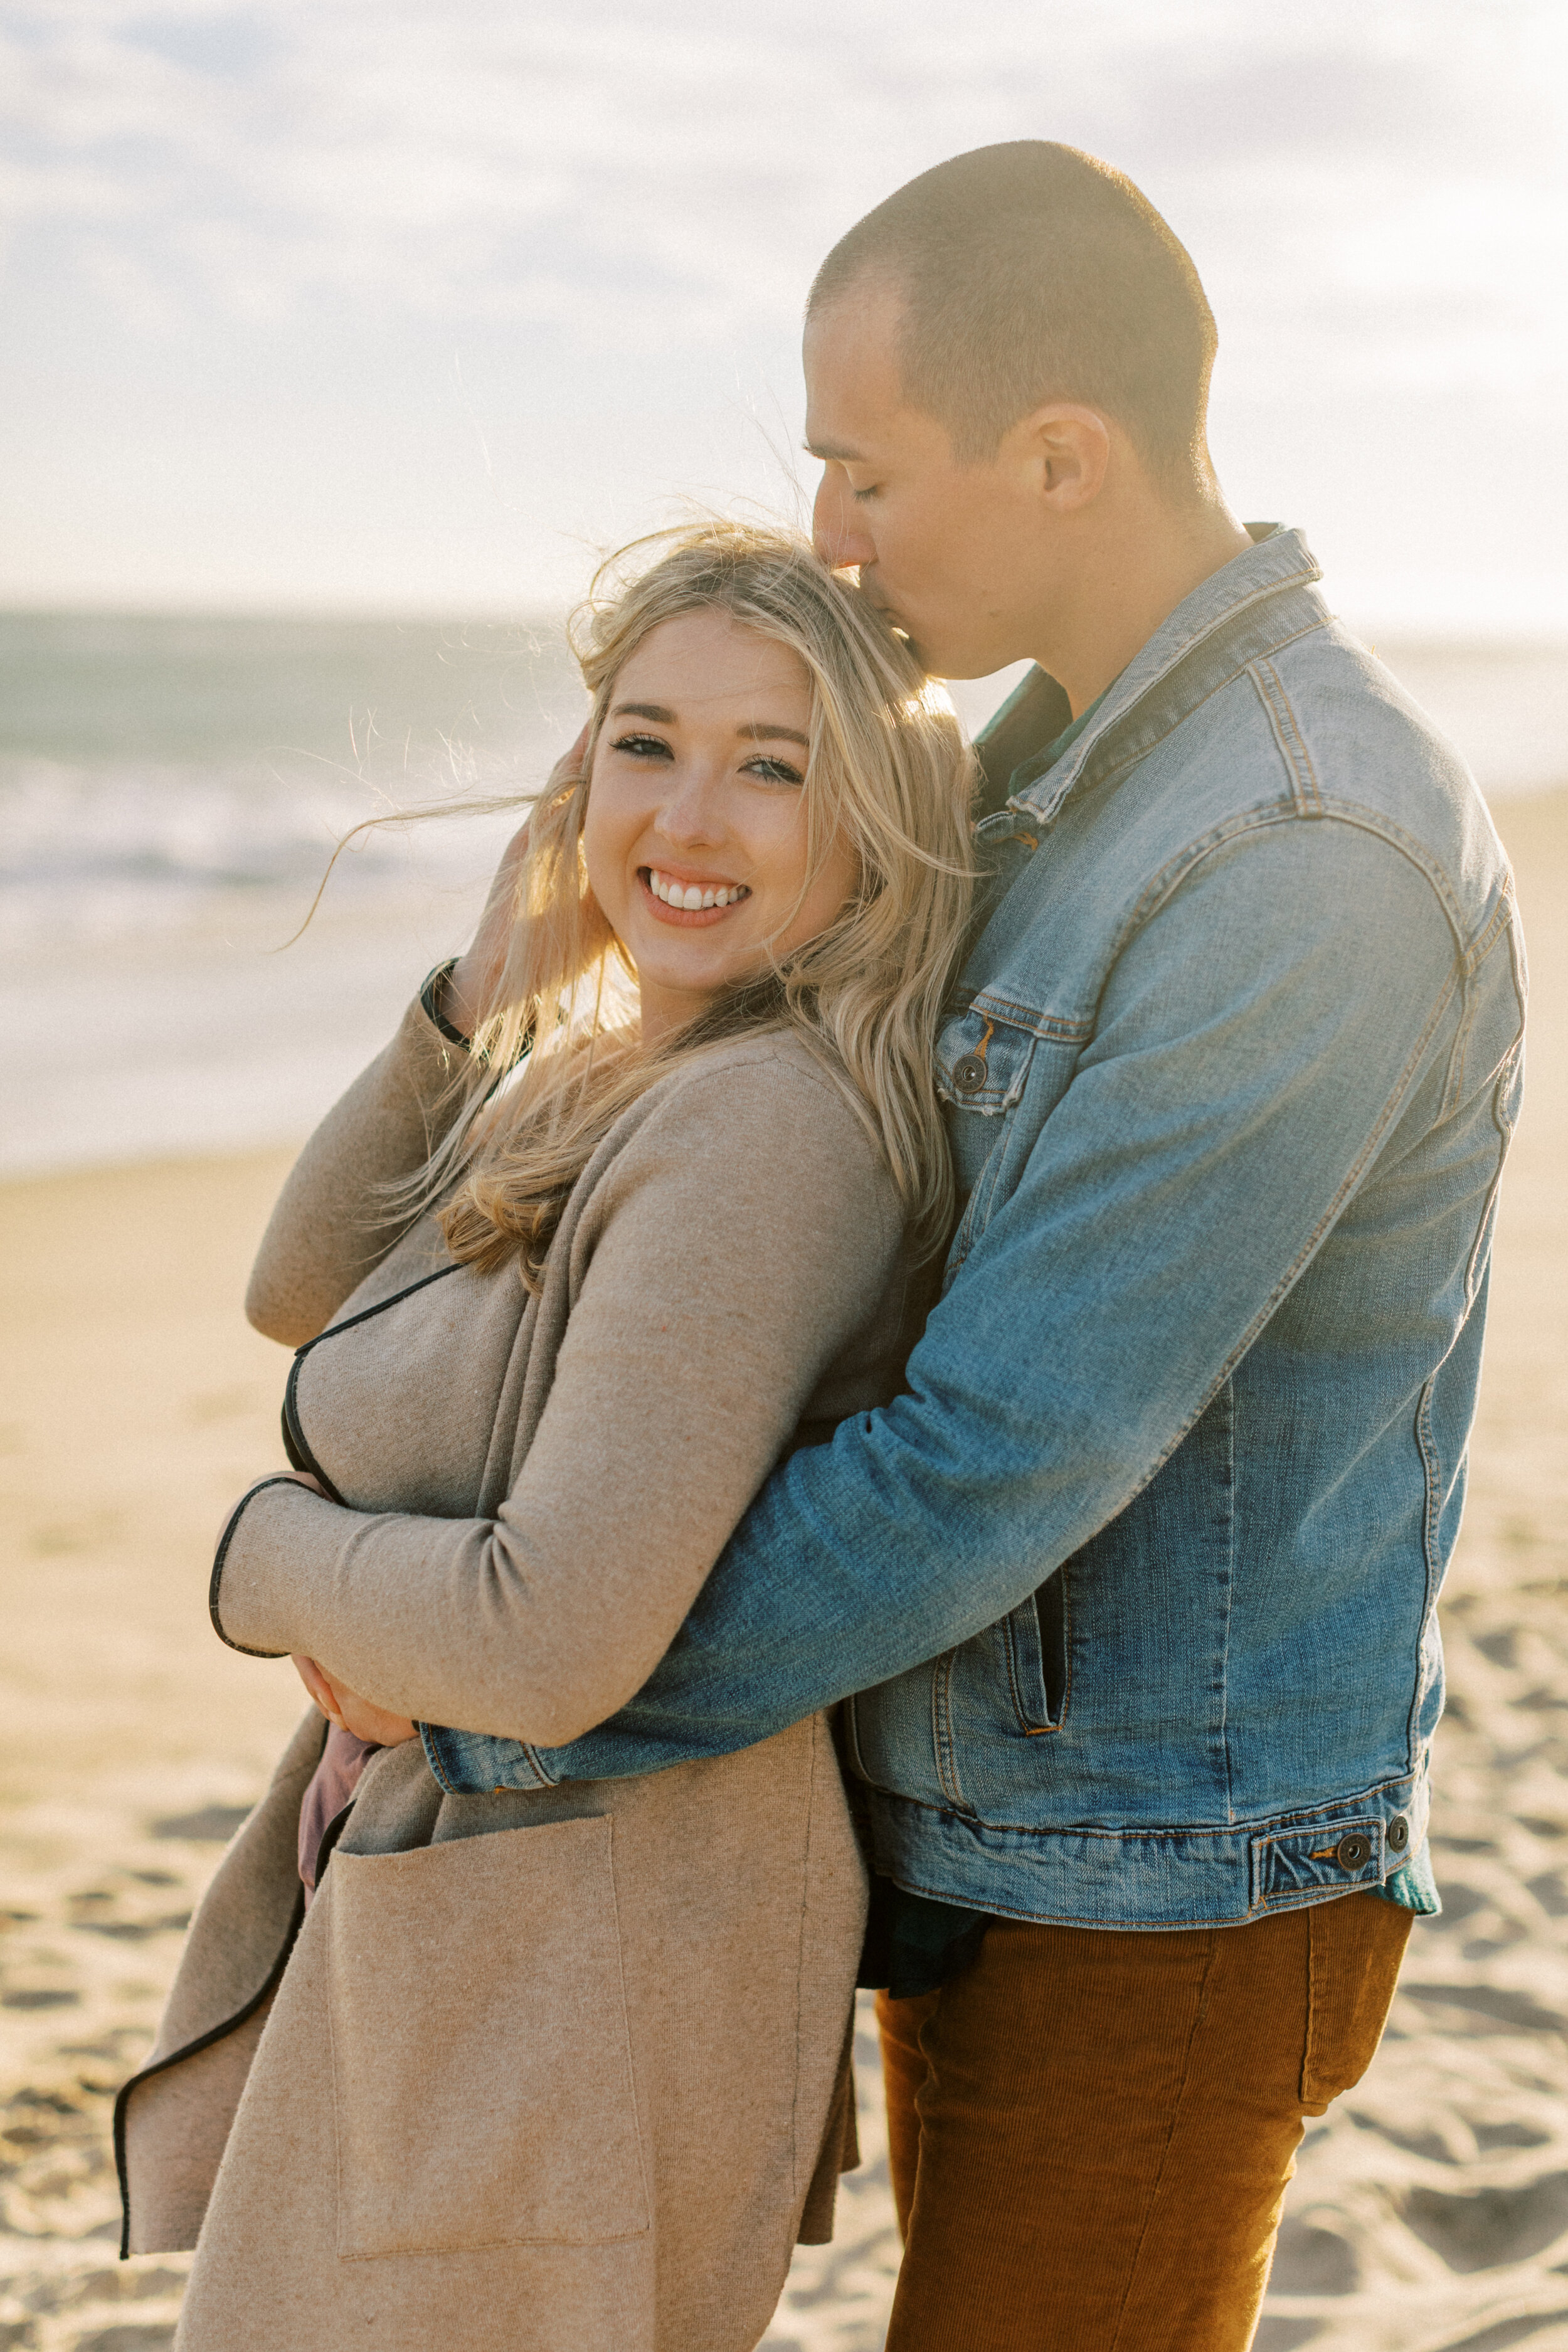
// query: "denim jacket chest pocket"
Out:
[988,1060]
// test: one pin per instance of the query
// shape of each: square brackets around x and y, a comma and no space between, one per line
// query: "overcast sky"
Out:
[413,304]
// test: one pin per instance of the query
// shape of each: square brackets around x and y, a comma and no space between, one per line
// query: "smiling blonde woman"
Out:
[639,1195]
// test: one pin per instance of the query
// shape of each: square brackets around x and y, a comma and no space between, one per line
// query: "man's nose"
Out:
[836,525]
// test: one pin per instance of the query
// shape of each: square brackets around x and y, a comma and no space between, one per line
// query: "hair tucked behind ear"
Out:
[886,770]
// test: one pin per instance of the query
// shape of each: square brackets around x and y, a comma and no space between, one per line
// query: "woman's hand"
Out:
[474,975]
[349,1711]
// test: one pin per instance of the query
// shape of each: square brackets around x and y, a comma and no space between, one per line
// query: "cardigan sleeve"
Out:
[742,1241]
[333,1223]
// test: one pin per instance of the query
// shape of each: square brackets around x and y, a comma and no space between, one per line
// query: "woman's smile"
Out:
[696,837]
[688,898]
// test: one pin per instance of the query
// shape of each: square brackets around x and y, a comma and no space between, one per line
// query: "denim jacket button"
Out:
[1352,1851]
[1397,1835]
[969,1074]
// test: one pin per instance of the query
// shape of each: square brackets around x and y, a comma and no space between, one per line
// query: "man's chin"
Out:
[953,666]
[942,660]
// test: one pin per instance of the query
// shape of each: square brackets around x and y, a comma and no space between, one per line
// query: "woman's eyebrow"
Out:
[761,732]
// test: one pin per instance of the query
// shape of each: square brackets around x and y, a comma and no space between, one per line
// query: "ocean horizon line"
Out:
[1477,633]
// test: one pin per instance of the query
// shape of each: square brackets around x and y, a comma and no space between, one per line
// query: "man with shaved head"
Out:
[1131,1596]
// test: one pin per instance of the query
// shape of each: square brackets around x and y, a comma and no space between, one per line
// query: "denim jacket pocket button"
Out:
[969,1074]
[1397,1836]
[1351,1852]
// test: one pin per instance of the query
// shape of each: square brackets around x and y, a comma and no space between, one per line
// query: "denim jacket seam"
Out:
[1263,816]
[1431,1548]
[1259,818]
[1061,1028]
[982,1191]
[1229,1595]
[1500,919]
[998,1163]
[1506,1067]
[942,1730]
[1278,1837]
[1082,754]
[1504,1127]
[1060,1723]
[1305,792]
[1387,829]
[1264,1826]
[1453,1088]
[1000,1910]
[429,1737]
[1308,1899]
[1031,1729]
[1303,1257]
[1498,926]
[1010,1654]
[1082,760]
[852,1737]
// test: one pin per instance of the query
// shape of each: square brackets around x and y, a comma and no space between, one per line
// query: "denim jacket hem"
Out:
[1195,1876]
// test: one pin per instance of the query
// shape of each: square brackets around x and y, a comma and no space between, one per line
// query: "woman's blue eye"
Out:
[774,772]
[644,747]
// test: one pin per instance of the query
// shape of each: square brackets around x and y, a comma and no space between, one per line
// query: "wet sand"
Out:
[1430,2212]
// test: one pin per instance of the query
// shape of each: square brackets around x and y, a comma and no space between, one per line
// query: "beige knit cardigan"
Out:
[552,2069]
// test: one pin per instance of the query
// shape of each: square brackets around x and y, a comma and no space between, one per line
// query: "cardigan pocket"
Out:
[482,2083]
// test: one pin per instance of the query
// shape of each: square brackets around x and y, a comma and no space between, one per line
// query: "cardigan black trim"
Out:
[296,1445]
[215,1583]
[430,997]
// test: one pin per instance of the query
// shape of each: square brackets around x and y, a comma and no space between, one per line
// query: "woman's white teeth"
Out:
[691,896]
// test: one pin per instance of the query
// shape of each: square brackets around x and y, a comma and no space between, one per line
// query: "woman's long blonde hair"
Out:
[886,770]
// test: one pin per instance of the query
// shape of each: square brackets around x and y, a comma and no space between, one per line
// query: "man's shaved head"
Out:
[1030,273]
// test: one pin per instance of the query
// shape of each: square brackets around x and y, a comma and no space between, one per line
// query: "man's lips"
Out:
[677,899]
[889,612]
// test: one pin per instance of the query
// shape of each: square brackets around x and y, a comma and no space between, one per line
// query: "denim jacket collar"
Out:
[1215,618]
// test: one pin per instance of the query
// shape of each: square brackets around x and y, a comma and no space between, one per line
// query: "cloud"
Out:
[686,163]
[245,242]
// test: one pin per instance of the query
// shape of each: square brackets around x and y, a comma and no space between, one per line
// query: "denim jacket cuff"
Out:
[476,1764]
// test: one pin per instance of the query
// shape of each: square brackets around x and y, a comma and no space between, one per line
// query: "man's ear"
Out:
[1066,450]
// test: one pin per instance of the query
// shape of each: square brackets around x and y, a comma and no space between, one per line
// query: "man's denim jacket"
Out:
[1137,1582]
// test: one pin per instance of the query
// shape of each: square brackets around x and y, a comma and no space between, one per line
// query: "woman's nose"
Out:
[836,524]
[690,817]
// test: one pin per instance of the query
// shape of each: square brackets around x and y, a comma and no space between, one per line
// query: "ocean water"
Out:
[170,790]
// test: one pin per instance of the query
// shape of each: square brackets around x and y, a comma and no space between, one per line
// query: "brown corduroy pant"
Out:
[1091,2129]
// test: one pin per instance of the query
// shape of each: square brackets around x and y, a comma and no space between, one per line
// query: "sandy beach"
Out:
[1430,2212]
